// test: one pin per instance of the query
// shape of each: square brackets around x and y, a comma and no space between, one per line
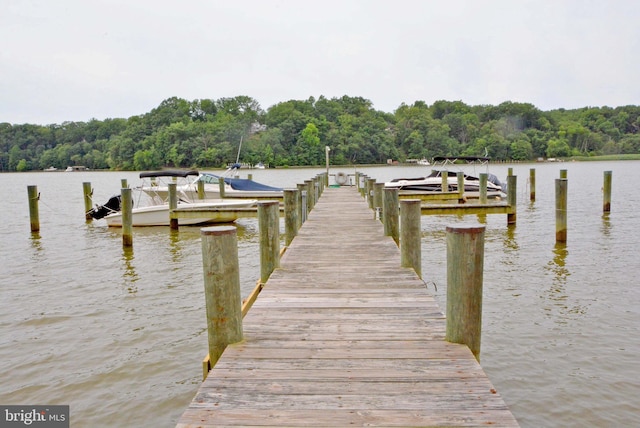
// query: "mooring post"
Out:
[378,189]
[34,214]
[512,184]
[310,194]
[269,229]
[200,185]
[173,205]
[127,216]
[532,184]
[563,173]
[460,177]
[123,183]
[561,209]
[606,202]
[88,202]
[391,214]
[290,215]
[221,187]
[410,234]
[444,175]
[483,187]
[221,288]
[370,186]
[465,260]
[302,204]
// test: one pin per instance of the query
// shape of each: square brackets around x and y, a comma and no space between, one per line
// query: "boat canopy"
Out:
[468,159]
[168,173]
[238,183]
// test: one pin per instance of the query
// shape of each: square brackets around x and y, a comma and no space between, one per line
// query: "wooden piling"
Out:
[127,216]
[378,188]
[465,260]
[310,195]
[221,187]
[460,177]
[269,229]
[223,298]
[512,193]
[391,214]
[445,184]
[561,209]
[173,204]
[563,173]
[200,185]
[302,204]
[87,191]
[411,234]
[370,185]
[532,184]
[124,183]
[34,213]
[483,187]
[606,193]
[291,222]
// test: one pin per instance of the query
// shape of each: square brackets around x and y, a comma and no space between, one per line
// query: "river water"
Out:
[119,335]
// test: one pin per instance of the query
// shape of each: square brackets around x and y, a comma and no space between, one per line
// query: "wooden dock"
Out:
[341,335]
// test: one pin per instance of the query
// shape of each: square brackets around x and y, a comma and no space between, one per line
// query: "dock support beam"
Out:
[88,203]
[173,204]
[532,184]
[410,234]
[465,260]
[221,288]
[512,193]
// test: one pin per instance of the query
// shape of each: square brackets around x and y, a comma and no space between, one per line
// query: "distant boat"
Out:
[50,169]
[259,165]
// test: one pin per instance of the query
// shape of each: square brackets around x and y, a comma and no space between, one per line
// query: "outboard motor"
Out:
[101,211]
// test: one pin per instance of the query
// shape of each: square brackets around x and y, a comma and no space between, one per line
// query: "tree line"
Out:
[208,133]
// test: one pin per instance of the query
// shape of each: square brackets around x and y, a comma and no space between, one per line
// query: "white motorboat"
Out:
[152,209]
[434,181]
[234,187]
[207,212]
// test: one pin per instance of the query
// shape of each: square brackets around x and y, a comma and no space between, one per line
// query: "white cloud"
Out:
[75,60]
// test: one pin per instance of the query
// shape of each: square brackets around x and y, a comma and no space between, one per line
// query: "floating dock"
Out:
[341,335]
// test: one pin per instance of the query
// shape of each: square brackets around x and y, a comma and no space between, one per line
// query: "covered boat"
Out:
[434,181]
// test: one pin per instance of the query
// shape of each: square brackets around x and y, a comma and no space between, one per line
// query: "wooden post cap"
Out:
[466,228]
[218,230]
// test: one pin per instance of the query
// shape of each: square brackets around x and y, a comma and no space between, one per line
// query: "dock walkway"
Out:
[340,336]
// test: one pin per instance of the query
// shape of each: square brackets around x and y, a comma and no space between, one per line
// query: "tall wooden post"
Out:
[173,204]
[460,177]
[606,201]
[302,204]
[465,260]
[310,195]
[532,184]
[370,186]
[512,193]
[561,209]
[269,229]
[34,212]
[88,202]
[127,216]
[483,187]
[377,200]
[410,234]
[290,215]
[391,214]
[444,175]
[221,187]
[563,173]
[200,187]
[327,149]
[221,288]
[123,183]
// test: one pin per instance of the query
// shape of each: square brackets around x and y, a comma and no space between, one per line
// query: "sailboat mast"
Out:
[239,147]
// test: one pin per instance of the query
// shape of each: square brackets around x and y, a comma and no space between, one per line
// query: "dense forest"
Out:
[208,133]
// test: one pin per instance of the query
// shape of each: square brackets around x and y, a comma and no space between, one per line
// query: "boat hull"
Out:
[201,213]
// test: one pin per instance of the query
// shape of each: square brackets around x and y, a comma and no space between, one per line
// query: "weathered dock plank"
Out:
[341,335]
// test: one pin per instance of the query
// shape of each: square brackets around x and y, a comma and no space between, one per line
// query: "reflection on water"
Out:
[130,276]
[606,224]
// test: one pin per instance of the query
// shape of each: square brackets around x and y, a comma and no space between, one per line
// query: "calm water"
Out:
[120,335]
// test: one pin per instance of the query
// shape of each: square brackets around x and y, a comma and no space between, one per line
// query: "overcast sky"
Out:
[74,60]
